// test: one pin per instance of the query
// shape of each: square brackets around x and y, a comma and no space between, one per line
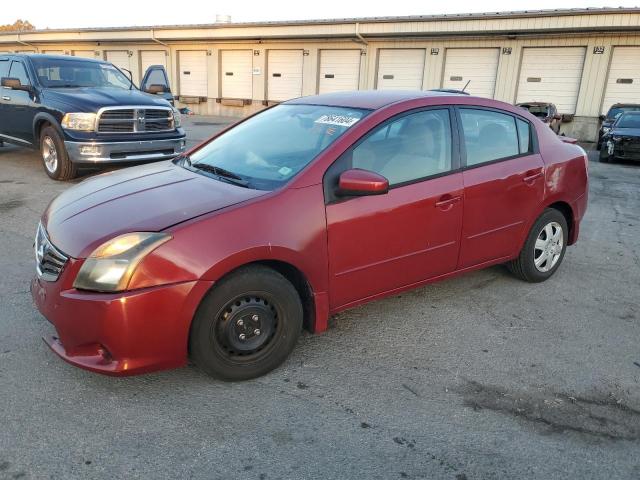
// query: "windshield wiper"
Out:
[222,173]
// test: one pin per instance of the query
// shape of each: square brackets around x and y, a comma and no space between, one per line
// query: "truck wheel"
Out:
[246,325]
[55,159]
[544,249]
[604,154]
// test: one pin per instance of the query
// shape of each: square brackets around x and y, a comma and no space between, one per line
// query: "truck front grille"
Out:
[135,120]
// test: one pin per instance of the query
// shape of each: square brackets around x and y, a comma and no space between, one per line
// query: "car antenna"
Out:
[466,85]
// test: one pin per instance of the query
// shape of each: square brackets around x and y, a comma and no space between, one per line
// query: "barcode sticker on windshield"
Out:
[339,120]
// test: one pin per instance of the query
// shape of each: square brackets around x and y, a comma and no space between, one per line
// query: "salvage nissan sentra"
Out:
[308,208]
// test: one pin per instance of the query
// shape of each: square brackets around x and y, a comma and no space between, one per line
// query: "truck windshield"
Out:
[74,73]
[628,120]
[267,150]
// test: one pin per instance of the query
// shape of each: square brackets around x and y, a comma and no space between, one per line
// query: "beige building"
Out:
[582,60]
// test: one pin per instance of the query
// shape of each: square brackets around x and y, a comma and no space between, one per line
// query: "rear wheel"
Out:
[247,325]
[55,159]
[544,249]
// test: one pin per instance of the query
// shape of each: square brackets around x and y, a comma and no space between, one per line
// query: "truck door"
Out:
[156,82]
[18,106]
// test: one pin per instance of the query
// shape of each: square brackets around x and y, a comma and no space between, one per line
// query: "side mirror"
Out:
[14,84]
[155,88]
[601,117]
[557,116]
[358,182]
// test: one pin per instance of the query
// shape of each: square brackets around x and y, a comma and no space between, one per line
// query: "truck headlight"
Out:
[177,117]
[605,130]
[110,267]
[79,121]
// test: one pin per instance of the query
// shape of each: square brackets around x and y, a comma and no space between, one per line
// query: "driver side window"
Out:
[18,71]
[413,147]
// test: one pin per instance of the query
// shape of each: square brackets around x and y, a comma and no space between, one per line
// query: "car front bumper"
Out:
[118,334]
[90,152]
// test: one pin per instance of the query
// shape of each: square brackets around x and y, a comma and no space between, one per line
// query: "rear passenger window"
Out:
[412,147]
[4,68]
[524,136]
[488,135]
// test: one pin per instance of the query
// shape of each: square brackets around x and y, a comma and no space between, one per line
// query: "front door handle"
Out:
[4,97]
[446,201]
[532,177]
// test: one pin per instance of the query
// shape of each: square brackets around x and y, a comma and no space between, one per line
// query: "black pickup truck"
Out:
[81,111]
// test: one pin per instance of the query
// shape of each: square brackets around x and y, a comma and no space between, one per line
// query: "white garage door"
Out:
[339,70]
[623,84]
[236,73]
[152,57]
[120,58]
[53,52]
[284,74]
[551,75]
[193,73]
[84,53]
[400,69]
[477,66]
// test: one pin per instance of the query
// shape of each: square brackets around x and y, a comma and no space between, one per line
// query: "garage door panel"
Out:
[152,57]
[623,82]
[84,53]
[400,69]
[236,73]
[551,74]
[284,69]
[193,73]
[339,70]
[478,66]
[120,58]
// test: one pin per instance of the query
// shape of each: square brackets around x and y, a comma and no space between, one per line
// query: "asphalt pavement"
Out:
[479,377]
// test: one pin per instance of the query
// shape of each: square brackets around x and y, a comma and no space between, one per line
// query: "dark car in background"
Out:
[622,140]
[547,112]
[612,115]
[80,111]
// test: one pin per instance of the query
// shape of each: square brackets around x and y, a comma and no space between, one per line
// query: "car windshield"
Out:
[73,73]
[268,149]
[616,111]
[540,111]
[628,120]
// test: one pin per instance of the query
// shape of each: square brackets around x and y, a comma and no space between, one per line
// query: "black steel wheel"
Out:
[246,325]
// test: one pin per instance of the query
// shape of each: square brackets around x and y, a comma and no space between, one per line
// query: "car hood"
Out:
[92,99]
[625,132]
[146,198]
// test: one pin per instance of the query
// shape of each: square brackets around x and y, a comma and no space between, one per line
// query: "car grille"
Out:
[49,260]
[135,120]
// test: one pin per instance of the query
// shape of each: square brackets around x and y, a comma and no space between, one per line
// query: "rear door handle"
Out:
[532,177]
[447,200]
[4,97]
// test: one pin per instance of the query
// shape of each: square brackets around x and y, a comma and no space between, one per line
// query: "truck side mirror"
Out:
[14,84]
[155,88]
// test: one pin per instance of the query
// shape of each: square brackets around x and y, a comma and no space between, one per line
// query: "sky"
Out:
[95,13]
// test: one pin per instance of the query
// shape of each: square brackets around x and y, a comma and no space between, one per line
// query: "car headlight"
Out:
[605,130]
[79,121]
[177,117]
[110,267]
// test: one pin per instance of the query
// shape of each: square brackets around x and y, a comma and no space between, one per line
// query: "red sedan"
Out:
[303,210]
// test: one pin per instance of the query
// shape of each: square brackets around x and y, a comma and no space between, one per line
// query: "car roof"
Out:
[533,103]
[369,99]
[622,105]
[52,57]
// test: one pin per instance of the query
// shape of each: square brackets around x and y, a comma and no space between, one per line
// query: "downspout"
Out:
[360,37]
[26,43]
[153,37]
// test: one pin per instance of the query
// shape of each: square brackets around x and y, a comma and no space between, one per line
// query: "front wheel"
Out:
[544,249]
[55,158]
[604,154]
[247,324]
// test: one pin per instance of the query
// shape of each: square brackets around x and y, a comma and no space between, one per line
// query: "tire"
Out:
[604,155]
[55,158]
[256,302]
[524,267]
